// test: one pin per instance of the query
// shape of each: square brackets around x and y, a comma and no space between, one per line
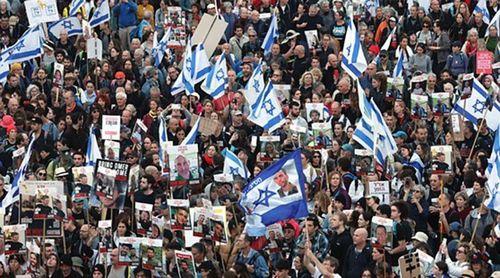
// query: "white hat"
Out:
[420,236]
[210,6]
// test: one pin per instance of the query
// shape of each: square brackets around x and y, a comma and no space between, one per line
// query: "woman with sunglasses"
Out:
[460,265]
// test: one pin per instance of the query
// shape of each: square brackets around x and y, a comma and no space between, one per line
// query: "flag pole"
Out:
[478,219]
[477,133]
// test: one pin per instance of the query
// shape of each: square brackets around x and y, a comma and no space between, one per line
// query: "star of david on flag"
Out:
[233,165]
[476,106]
[71,24]
[276,194]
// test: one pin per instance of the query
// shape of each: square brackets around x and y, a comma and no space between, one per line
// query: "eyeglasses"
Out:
[426,26]
[42,174]
[251,36]
[317,156]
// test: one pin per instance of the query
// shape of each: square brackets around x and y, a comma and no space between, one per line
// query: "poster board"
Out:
[210,30]
[484,61]
[323,135]
[380,189]
[111,127]
[207,126]
[41,11]
[183,163]
[382,226]
[110,184]
[410,266]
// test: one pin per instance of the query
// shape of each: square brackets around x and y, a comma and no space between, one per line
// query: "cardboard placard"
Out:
[484,60]
[209,27]
[111,127]
[207,126]
[41,11]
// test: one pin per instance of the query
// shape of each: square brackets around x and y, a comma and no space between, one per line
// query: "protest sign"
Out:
[111,150]
[143,218]
[314,112]
[111,127]
[139,132]
[15,239]
[322,133]
[382,231]
[41,11]
[185,264]
[419,106]
[199,221]
[410,265]
[484,60]
[441,159]
[183,161]
[441,105]
[152,256]
[129,250]
[179,214]
[110,184]
[209,32]
[380,189]
[94,49]
[270,148]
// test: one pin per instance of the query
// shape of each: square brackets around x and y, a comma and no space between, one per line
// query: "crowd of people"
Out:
[435,207]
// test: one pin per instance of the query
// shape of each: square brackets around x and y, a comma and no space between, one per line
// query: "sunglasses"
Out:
[42,174]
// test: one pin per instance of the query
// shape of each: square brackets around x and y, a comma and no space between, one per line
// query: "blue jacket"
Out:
[258,262]
[126,13]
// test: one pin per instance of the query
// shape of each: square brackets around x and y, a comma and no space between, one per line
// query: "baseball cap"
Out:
[36,120]
[400,134]
[210,6]
[421,237]
[348,148]
[455,227]
[119,75]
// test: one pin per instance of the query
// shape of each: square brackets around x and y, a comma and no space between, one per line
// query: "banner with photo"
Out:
[111,150]
[382,231]
[179,214]
[143,218]
[183,161]
[185,264]
[270,148]
[15,239]
[152,256]
[110,184]
[129,250]
[323,134]
[441,105]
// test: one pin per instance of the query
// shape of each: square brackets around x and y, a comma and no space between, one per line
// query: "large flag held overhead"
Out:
[372,132]
[271,36]
[353,59]
[13,194]
[276,194]
[216,82]
[71,24]
[93,152]
[233,165]
[101,14]
[493,173]
[482,8]
[191,137]
[27,47]
[266,111]
[195,68]
[255,84]
[477,105]
[161,47]
[74,6]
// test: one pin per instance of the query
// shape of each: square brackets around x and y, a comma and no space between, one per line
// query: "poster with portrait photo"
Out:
[297,135]
[418,84]
[323,134]
[43,202]
[110,184]
[143,218]
[84,177]
[199,221]
[282,91]
[270,148]
[382,231]
[314,112]
[104,228]
[395,87]
[179,214]
[363,161]
[441,159]
[312,38]
[152,256]
[419,106]
[466,85]
[14,238]
[129,251]
[441,105]
[217,225]
[274,231]
[176,21]
[111,150]
[59,206]
[111,127]
[185,264]
[58,76]
[139,132]
[183,161]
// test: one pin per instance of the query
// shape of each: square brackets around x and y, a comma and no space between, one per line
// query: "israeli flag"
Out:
[163,136]
[191,137]
[4,72]
[233,165]
[161,47]
[276,194]
[216,82]
[482,8]
[372,132]
[70,24]
[266,111]
[93,152]
[195,68]
[353,59]
[74,6]
[476,106]
[494,22]
[13,194]
[417,163]
[493,173]
[255,84]
[398,69]
[271,36]
[101,14]
[27,47]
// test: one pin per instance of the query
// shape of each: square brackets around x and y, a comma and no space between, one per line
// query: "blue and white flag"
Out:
[482,8]
[13,194]
[163,139]
[477,106]
[398,69]
[4,72]
[233,165]
[385,46]
[195,68]
[27,47]
[101,14]
[191,137]
[266,111]
[493,173]
[353,59]
[216,82]
[70,24]
[372,132]
[417,163]
[276,194]
[93,152]
[271,36]
[255,84]
[74,6]
[161,47]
